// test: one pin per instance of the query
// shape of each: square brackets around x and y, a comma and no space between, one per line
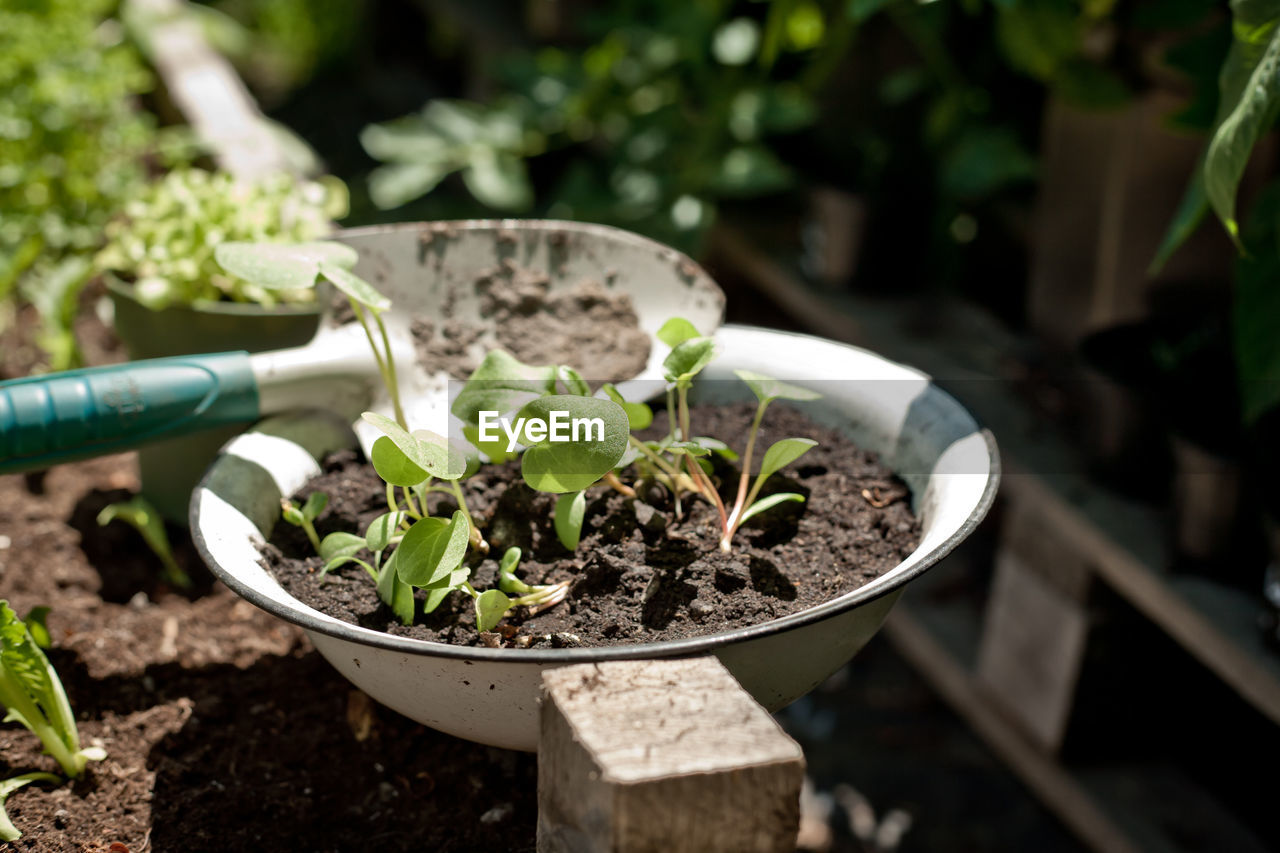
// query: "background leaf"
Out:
[1249,102]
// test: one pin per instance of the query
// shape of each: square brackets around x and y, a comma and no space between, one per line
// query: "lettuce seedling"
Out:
[305,515]
[33,694]
[143,517]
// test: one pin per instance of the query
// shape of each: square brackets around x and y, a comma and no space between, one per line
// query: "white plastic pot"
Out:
[491,695]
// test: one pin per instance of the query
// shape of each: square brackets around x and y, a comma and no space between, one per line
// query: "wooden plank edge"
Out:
[1154,598]
[1054,787]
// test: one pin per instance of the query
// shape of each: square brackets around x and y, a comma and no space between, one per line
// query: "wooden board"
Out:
[662,755]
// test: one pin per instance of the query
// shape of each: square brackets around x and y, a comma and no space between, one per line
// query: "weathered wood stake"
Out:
[662,756]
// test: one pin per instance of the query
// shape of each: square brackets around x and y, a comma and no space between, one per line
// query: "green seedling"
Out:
[143,517]
[493,604]
[305,515]
[290,267]
[679,460]
[9,832]
[32,693]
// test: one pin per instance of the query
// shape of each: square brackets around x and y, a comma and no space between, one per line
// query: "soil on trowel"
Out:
[598,329]
[642,572]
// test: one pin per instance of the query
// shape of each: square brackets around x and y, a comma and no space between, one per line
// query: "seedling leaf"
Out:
[495,450]
[341,544]
[440,591]
[383,528]
[355,287]
[639,414]
[342,560]
[393,465]
[783,453]
[686,360]
[688,447]
[460,461]
[315,504]
[770,502]
[571,466]
[573,381]
[427,450]
[491,606]
[432,549]
[676,331]
[570,510]
[716,446]
[279,266]
[394,592]
[501,384]
[143,517]
[507,580]
[767,389]
[33,694]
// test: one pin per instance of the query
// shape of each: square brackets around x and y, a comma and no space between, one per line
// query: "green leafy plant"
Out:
[143,517]
[661,115]
[33,695]
[165,241]
[72,148]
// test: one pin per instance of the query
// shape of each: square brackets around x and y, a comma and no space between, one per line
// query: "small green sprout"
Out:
[493,604]
[305,515]
[143,517]
[689,470]
[32,692]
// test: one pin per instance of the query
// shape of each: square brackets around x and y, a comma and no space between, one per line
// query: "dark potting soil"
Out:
[640,573]
[224,729]
[586,326]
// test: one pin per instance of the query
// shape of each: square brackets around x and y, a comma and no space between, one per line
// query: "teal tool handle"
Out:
[73,415]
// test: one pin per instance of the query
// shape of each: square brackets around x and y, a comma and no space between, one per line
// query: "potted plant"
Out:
[170,297]
[489,694]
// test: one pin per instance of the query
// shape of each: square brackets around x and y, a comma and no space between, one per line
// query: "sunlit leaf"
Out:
[783,453]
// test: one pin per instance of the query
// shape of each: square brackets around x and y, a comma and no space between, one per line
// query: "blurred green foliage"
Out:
[71,147]
[666,110]
[279,45]
[164,240]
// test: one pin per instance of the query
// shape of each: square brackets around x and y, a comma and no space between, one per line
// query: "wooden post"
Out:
[662,755]
[208,92]
[1036,625]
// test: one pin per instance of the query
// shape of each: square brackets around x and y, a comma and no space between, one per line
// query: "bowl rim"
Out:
[310,621]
